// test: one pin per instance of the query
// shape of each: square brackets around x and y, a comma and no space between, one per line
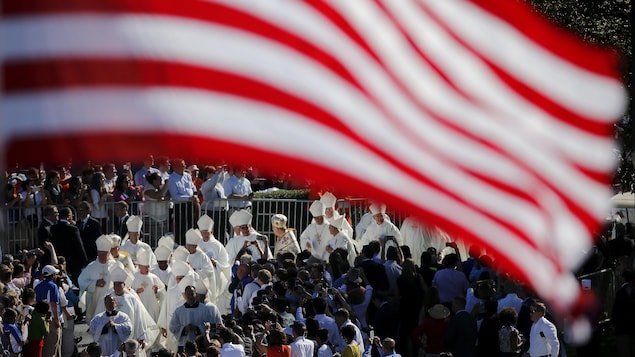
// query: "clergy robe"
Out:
[91,295]
[132,248]
[341,240]
[150,300]
[318,236]
[115,336]
[196,314]
[236,244]
[143,326]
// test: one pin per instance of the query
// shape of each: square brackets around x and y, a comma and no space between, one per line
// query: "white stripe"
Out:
[199,43]
[555,170]
[209,115]
[588,94]
[475,78]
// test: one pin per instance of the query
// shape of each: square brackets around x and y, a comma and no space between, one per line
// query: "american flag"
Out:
[480,116]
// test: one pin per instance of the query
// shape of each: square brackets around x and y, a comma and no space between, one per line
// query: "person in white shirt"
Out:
[543,337]
[301,346]
[183,194]
[229,349]
[511,299]
[251,290]
[215,203]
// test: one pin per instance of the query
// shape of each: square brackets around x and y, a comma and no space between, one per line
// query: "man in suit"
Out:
[121,217]
[623,315]
[460,338]
[68,243]
[89,230]
[50,215]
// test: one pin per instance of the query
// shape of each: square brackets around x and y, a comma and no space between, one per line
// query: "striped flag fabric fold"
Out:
[479,116]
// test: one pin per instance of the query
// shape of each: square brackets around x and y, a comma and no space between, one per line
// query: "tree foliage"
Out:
[606,23]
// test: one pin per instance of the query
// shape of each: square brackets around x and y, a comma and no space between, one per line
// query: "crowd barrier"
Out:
[18,225]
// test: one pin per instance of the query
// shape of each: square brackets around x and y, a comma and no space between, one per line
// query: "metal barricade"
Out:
[603,283]
[163,217]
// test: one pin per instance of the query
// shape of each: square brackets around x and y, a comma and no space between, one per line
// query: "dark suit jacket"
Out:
[460,338]
[376,274]
[623,313]
[68,242]
[121,228]
[90,231]
[44,235]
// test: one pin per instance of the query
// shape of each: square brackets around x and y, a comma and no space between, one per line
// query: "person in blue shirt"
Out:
[49,292]
[11,335]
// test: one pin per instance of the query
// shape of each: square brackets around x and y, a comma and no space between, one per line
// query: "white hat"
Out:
[104,243]
[119,274]
[328,200]
[187,280]
[116,240]
[49,270]
[193,236]
[439,312]
[201,286]
[240,218]
[193,168]
[205,223]
[166,241]
[317,209]
[162,253]
[279,221]
[134,224]
[339,222]
[180,253]
[180,268]
[376,208]
[144,256]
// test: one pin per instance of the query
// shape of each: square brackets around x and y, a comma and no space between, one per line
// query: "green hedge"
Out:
[284,194]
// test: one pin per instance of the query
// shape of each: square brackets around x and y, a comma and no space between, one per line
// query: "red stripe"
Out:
[555,39]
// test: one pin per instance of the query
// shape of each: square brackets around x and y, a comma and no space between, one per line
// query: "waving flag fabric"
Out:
[478,116]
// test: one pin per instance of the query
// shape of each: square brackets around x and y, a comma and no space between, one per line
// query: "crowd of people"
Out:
[374,289]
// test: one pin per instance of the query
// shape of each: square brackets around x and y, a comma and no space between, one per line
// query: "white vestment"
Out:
[164,275]
[197,315]
[87,280]
[150,300]
[341,240]
[235,244]
[143,326]
[318,236]
[116,335]
[133,248]
[216,250]
[375,231]
[201,264]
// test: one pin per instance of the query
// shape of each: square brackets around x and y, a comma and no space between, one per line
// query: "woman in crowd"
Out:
[99,196]
[53,189]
